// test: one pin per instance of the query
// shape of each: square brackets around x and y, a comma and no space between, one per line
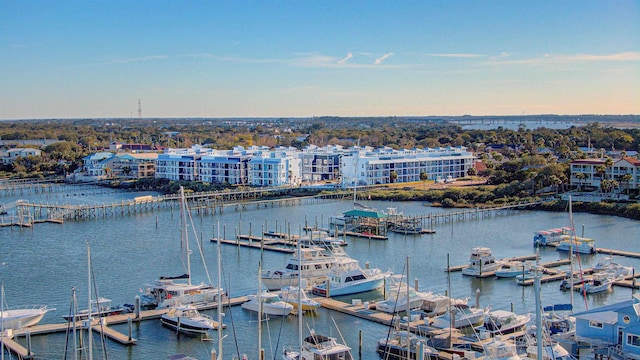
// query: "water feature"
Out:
[40,265]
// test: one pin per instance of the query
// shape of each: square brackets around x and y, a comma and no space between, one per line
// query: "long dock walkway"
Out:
[101,325]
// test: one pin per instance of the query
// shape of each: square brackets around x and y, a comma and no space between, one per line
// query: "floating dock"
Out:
[100,325]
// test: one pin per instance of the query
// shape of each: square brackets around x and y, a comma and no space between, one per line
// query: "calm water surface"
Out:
[41,265]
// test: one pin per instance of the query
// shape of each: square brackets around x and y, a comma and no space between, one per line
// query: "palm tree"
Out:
[580,177]
[626,178]
[393,176]
[608,163]
[423,177]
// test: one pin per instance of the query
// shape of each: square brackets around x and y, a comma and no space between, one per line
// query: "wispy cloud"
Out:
[138,59]
[454,55]
[382,58]
[346,58]
[548,59]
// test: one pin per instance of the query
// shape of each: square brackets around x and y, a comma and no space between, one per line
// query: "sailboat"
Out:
[315,346]
[402,344]
[173,290]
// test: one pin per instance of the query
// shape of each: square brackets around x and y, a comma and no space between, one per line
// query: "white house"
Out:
[11,155]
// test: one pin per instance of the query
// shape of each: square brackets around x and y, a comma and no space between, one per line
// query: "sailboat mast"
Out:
[299,297]
[185,235]
[408,315]
[573,232]
[89,337]
[259,310]
[2,321]
[219,295]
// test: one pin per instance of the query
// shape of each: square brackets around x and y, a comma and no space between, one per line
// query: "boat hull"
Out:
[21,318]
[185,326]
[360,287]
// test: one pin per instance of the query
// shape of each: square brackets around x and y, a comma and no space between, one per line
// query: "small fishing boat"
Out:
[606,265]
[398,342]
[463,316]
[598,282]
[498,349]
[438,304]
[188,320]
[100,307]
[316,347]
[481,261]
[557,318]
[512,269]
[321,238]
[400,296]
[272,304]
[290,295]
[500,322]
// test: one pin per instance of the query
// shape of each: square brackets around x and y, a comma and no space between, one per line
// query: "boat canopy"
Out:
[183,276]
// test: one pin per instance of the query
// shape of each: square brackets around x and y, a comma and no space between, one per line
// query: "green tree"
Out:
[423,177]
[393,176]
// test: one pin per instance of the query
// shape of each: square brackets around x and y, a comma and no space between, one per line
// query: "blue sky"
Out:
[75,59]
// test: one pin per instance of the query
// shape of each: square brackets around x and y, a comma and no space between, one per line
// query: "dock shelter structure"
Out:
[366,221]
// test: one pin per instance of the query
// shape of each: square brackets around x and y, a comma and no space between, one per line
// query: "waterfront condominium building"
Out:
[227,166]
[368,166]
[321,163]
[181,164]
[280,167]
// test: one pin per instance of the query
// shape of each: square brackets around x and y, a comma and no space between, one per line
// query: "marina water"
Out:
[40,266]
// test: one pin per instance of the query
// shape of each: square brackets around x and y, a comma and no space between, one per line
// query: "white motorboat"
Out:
[463,316]
[347,277]
[481,261]
[316,263]
[399,296]
[498,349]
[598,282]
[321,238]
[513,269]
[438,304]
[174,290]
[19,317]
[606,265]
[316,347]
[505,322]
[188,320]
[99,308]
[294,295]
[398,342]
[272,304]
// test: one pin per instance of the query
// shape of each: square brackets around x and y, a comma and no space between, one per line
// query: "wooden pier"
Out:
[100,325]
[255,243]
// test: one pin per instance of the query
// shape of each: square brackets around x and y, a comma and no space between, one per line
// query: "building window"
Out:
[595,324]
[633,340]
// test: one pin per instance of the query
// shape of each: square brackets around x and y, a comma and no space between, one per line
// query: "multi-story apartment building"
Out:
[368,166]
[275,168]
[227,166]
[133,165]
[321,163]
[181,164]
[589,173]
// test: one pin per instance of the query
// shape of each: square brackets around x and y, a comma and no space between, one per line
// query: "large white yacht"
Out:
[316,263]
